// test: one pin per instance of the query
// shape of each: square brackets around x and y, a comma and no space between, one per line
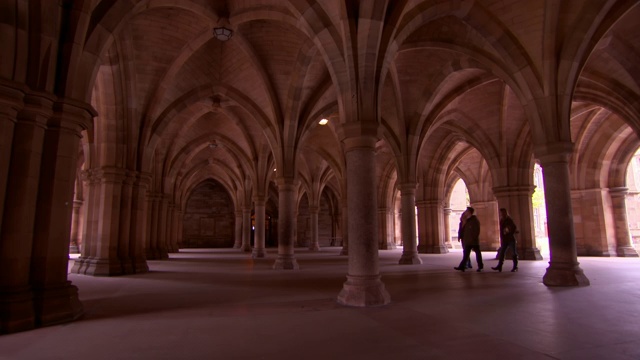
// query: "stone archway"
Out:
[208,217]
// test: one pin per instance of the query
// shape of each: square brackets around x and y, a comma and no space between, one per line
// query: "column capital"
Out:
[38,108]
[73,115]
[110,173]
[259,200]
[557,152]
[618,191]
[11,99]
[286,183]
[407,187]
[356,130]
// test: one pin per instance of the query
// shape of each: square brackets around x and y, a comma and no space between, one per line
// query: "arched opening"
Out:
[208,217]
[633,199]
[539,212]
[458,202]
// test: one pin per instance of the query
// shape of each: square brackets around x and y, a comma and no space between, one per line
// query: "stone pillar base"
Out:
[388,245]
[246,248]
[409,258]
[436,249]
[140,265]
[363,291]
[531,254]
[58,304]
[164,254]
[126,265]
[564,274]
[258,253]
[286,262]
[96,267]
[16,310]
[627,251]
[344,251]
[157,254]
[314,247]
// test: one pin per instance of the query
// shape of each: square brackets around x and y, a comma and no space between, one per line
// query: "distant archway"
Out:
[208,217]
[458,202]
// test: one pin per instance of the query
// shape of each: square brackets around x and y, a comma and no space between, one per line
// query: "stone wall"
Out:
[209,218]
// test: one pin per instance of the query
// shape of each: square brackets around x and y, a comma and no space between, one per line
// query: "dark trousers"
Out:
[468,260]
[467,253]
[503,251]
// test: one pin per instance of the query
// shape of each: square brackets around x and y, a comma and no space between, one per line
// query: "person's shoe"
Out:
[479,270]
[469,266]
[499,268]
[459,268]
[515,269]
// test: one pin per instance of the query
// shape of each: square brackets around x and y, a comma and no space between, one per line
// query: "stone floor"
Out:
[221,304]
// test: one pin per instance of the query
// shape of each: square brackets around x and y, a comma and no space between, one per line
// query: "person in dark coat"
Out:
[471,240]
[508,231]
[463,219]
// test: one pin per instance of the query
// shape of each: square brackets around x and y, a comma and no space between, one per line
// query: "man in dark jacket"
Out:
[508,231]
[463,219]
[471,240]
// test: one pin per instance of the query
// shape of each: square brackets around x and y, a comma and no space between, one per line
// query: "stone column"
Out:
[259,235]
[170,228]
[172,246]
[409,240]
[139,224]
[422,227]
[345,231]
[517,201]
[246,229]
[314,244]
[447,228]
[90,223]
[100,255]
[431,227]
[623,237]
[175,227]
[286,226]
[76,227]
[564,269]
[55,299]
[124,230]
[238,230]
[153,204]
[179,230]
[163,226]
[386,229]
[10,105]
[296,239]
[16,234]
[364,286]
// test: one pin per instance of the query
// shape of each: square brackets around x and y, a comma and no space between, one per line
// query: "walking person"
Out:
[463,219]
[471,241]
[508,231]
